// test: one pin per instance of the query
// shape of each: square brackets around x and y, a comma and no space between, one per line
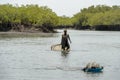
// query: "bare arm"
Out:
[69,39]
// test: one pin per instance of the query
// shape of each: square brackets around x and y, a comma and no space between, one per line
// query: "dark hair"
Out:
[65,32]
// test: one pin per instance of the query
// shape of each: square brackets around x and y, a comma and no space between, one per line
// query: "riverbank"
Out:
[9,27]
[25,34]
[92,28]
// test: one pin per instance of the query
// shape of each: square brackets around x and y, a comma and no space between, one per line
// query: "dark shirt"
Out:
[64,41]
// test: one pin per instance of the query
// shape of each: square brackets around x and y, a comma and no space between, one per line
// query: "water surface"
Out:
[28,56]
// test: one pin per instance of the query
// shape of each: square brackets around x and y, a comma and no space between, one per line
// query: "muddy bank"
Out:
[88,27]
[16,27]
[107,27]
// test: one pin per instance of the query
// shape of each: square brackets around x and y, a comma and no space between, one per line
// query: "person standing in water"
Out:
[64,41]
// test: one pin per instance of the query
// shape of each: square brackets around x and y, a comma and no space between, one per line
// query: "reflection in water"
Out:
[64,54]
[93,76]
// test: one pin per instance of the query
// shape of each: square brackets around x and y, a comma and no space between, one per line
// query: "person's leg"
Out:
[63,47]
[68,46]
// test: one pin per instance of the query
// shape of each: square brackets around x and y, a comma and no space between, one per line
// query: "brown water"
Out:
[28,57]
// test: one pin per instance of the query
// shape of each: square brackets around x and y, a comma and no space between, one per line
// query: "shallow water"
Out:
[28,57]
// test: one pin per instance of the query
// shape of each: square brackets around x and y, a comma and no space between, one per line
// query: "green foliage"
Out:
[99,15]
[64,21]
[44,16]
[29,14]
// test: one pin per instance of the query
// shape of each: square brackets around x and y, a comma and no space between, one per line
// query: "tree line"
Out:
[100,17]
[41,18]
[27,17]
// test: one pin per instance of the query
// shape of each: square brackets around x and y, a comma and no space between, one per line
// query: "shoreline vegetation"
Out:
[37,19]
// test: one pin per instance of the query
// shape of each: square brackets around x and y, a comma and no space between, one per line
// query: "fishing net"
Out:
[56,47]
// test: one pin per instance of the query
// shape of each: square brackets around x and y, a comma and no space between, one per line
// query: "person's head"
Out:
[65,31]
